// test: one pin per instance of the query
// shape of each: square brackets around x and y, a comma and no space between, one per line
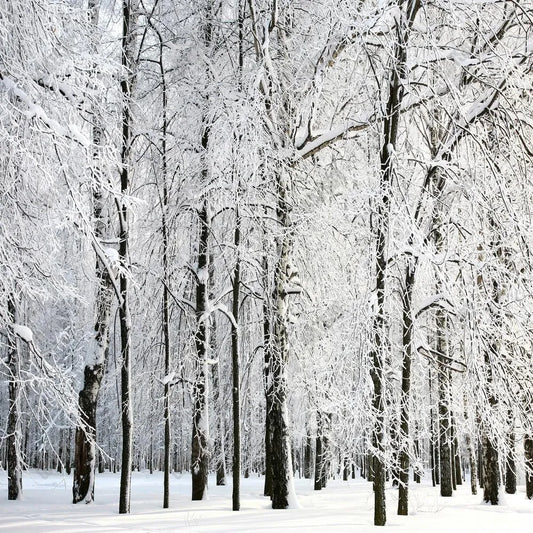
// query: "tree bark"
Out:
[165,318]
[491,471]
[267,379]
[319,455]
[281,461]
[510,465]
[200,424]
[443,378]
[308,454]
[219,449]
[13,444]
[407,340]
[235,365]
[129,8]
[456,458]
[528,460]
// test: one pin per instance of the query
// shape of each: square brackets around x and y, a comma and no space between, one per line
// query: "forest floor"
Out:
[341,507]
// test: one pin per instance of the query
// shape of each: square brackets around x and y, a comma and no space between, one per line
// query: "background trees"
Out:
[318,214]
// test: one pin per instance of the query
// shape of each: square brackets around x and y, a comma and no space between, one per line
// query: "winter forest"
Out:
[289,240]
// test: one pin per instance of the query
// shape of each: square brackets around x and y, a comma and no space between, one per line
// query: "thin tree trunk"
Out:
[13,444]
[166,282]
[472,463]
[443,378]
[127,82]
[480,464]
[319,454]
[308,454]
[235,364]
[528,460]
[267,379]
[456,465]
[407,339]
[220,452]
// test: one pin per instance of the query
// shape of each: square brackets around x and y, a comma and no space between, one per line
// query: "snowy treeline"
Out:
[267,237]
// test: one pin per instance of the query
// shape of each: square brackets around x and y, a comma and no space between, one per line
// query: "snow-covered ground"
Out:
[342,507]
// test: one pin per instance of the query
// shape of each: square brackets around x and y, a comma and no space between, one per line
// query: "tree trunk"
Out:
[235,365]
[219,448]
[85,437]
[471,454]
[480,464]
[200,424]
[281,461]
[346,469]
[434,438]
[528,460]
[13,444]
[510,466]
[491,471]
[407,343]
[308,454]
[267,379]
[319,455]
[443,377]
[456,458]
[166,284]
[129,8]
[397,79]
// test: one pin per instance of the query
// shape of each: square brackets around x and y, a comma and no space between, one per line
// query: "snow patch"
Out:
[112,255]
[24,332]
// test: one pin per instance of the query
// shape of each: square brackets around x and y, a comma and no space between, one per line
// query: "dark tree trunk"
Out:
[199,447]
[324,471]
[267,350]
[85,440]
[445,452]
[456,458]
[235,366]
[68,455]
[432,462]
[510,466]
[480,464]
[220,449]
[528,460]
[165,318]
[308,455]
[370,467]
[407,342]
[127,82]
[346,469]
[319,464]
[398,75]
[416,472]
[471,455]
[13,441]
[491,471]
